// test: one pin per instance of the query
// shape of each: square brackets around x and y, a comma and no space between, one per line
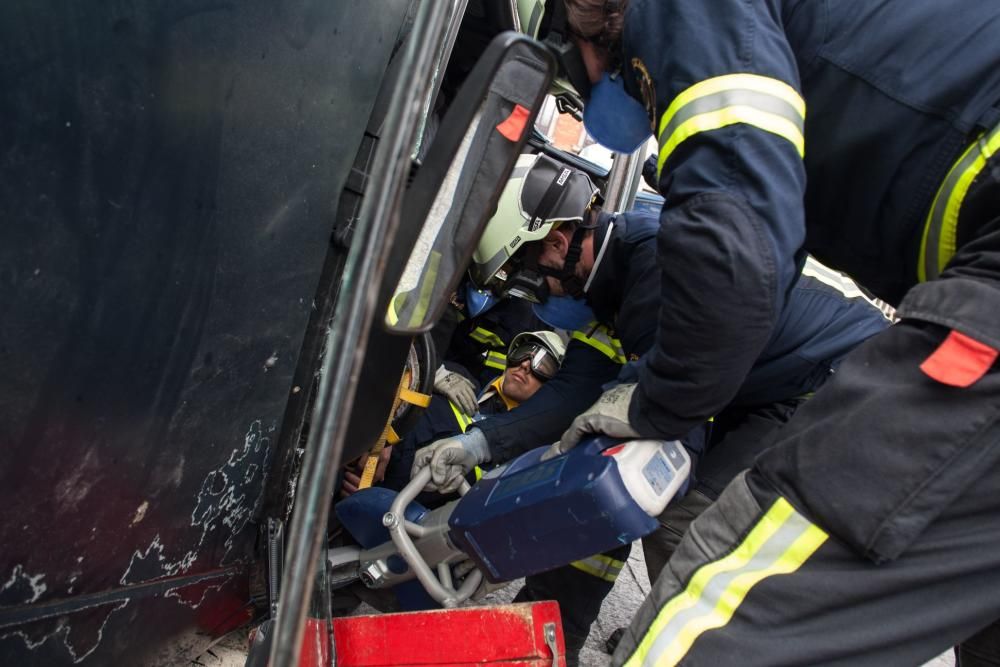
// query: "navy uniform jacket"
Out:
[822,320]
[479,344]
[870,102]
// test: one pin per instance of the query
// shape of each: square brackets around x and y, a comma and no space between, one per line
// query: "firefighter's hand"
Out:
[609,415]
[451,459]
[354,470]
[457,388]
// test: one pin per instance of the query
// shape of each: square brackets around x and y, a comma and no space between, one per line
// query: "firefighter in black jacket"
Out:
[610,261]
[878,499]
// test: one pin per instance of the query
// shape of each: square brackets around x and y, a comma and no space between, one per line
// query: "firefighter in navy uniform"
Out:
[478,328]
[867,534]
[544,244]
[531,360]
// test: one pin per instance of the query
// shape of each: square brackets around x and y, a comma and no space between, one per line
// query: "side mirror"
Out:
[455,191]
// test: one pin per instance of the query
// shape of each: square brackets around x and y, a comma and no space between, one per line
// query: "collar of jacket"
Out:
[601,293]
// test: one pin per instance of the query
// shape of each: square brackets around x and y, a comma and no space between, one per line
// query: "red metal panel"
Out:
[315,644]
[509,634]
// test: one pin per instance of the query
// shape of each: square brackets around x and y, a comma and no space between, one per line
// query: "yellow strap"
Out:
[388,433]
[414,397]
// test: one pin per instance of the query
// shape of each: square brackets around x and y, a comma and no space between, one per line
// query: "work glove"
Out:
[457,388]
[451,459]
[609,415]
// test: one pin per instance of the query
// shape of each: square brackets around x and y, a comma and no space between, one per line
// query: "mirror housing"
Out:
[455,191]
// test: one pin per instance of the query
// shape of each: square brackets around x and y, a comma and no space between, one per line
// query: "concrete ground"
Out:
[618,609]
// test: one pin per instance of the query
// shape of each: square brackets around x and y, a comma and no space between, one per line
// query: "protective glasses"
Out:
[544,364]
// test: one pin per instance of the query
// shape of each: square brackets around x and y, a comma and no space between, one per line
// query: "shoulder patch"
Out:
[646,89]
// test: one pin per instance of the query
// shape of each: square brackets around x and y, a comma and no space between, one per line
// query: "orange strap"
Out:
[414,397]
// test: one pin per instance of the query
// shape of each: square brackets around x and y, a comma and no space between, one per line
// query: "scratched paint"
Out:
[140,513]
[79,644]
[20,584]
[224,504]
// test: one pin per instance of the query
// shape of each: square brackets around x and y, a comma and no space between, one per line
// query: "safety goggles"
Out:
[544,364]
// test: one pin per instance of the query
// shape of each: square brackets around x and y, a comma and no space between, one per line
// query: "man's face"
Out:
[519,384]
[553,256]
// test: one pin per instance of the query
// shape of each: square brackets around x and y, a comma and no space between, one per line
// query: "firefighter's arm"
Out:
[730,127]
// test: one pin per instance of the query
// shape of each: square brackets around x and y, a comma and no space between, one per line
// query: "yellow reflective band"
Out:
[731,116]
[463,420]
[600,566]
[486,337]
[601,340]
[414,397]
[938,244]
[391,437]
[497,360]
[390,316]
[721,84]
[780,542]
[428,280]
[479,473]
[763,102]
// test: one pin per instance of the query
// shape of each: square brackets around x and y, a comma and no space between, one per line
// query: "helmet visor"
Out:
[544,364]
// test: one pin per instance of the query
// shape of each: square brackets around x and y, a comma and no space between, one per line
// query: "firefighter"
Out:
[867,533]
[531,360]
[595,273]
[475,332]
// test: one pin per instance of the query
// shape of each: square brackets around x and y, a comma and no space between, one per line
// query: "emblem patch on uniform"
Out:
[646,88]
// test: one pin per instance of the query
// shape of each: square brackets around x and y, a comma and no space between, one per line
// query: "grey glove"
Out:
[609,415]
[458,389]
[451,459]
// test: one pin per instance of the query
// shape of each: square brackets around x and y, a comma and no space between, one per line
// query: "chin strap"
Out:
[572,283]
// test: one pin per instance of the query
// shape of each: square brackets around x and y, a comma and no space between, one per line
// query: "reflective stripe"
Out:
[780,542]
[600,338]
[410,307]
[768,104]
[941,229]
[840,282]
[463,420]
[600,566]
[486,337]
[496,360]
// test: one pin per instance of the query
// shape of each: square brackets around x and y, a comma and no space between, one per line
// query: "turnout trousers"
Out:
[869,532]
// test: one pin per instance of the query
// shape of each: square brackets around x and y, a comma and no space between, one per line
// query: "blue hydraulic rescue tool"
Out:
[521,518]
